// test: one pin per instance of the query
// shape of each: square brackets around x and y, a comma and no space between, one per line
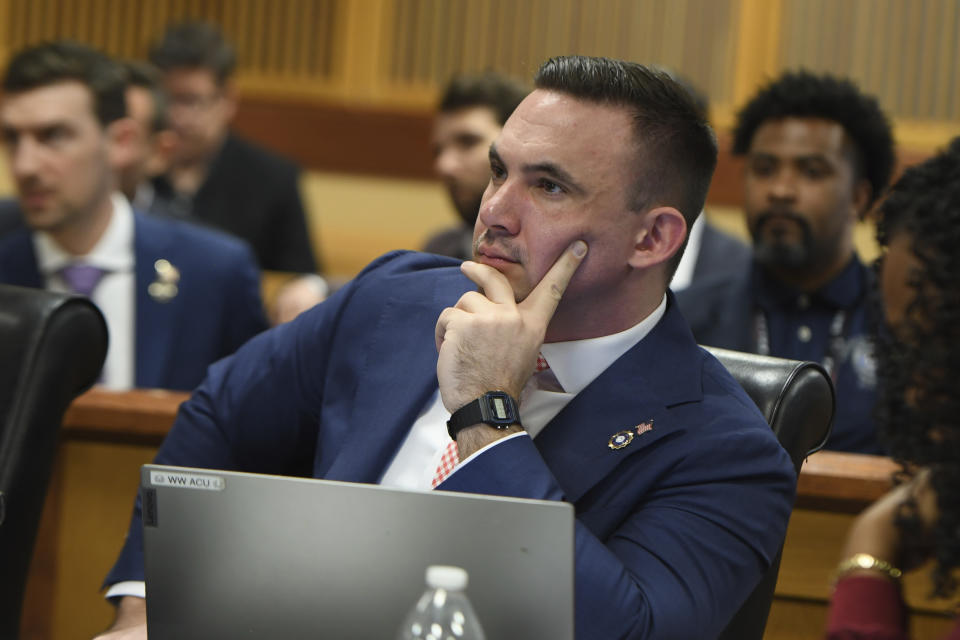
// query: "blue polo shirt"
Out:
[753,312]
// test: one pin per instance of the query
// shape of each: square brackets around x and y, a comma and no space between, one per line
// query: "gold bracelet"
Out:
[868,562]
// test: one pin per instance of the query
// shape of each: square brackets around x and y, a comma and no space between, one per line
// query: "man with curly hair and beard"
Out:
[818,154]
[919,357]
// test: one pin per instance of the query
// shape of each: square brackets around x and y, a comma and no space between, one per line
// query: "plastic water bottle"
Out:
[443,612]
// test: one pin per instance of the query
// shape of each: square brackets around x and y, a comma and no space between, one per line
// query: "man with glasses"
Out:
[216,177]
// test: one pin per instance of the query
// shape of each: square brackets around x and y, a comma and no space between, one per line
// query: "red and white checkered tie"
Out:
[450,457]
[543,376]
[448,462]
[542,364]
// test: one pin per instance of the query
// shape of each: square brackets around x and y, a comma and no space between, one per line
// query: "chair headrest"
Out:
[796,398]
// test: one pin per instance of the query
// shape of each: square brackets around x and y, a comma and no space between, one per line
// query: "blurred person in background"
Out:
[215,176]
[818,154]
[919,409]
[147,105]
[151,144]
[469,118]
[218,178]
[175,297]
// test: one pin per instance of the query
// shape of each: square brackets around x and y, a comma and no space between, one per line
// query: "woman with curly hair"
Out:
[919,409]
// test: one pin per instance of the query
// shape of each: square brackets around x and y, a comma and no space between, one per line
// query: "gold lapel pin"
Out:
[620,439]
[164,288]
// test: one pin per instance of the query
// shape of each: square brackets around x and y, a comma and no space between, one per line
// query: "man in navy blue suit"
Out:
[818,153]
[420,372]
[176,298]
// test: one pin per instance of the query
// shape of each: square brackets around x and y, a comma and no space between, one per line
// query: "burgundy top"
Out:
[868,608]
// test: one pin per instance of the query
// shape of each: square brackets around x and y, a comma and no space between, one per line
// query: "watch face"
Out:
[500,408]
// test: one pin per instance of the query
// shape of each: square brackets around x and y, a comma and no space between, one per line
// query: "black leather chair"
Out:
[797,399]
[52,347]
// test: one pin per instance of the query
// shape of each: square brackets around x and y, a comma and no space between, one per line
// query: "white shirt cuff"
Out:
[128,588]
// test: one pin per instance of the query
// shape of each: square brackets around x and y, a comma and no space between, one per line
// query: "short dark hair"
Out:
[699,98]
[677,150]
[146,76]
[198,45]
[496,91]
[918,367]
[801,94]
[54,62]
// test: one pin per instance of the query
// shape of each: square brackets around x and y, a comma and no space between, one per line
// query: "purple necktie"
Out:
[81,278]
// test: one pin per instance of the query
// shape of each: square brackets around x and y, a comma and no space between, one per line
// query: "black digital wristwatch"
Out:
[494,408]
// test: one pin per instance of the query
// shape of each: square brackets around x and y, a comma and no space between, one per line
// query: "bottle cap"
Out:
[446,577]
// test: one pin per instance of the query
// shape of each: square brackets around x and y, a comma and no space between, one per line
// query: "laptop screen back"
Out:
[242,555]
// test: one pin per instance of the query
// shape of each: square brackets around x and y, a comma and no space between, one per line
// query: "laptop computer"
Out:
[232,555]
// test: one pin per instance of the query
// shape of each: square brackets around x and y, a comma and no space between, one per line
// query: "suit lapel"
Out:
[660,372]
[155,324]
[18,261]
[400,376]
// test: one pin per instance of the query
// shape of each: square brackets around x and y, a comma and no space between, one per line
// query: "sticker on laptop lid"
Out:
[187,480]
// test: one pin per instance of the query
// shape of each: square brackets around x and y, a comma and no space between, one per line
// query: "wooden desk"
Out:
[107,436]
[142,416]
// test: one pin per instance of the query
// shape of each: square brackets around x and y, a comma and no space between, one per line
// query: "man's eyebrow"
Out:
[813,157]
[549,168]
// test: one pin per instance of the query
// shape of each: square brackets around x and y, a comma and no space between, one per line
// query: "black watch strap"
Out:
[495,408]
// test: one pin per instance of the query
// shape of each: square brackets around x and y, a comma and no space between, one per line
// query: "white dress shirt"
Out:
[575,364]
[114,295]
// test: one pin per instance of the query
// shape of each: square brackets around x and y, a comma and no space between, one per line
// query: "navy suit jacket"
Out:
[10,218]
[673,531]
[217,307]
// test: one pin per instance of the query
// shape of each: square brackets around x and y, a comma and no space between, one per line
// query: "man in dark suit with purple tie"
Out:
[175,297]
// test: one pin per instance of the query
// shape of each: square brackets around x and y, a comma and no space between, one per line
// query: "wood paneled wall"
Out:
[906,53]
[284,38]
[397,53]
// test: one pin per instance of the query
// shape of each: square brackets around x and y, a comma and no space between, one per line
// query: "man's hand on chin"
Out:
[489,342]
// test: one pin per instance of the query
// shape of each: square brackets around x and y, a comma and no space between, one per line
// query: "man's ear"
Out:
[660,237]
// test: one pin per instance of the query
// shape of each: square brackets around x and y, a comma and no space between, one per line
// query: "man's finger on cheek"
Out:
[495,285]
[546,295]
